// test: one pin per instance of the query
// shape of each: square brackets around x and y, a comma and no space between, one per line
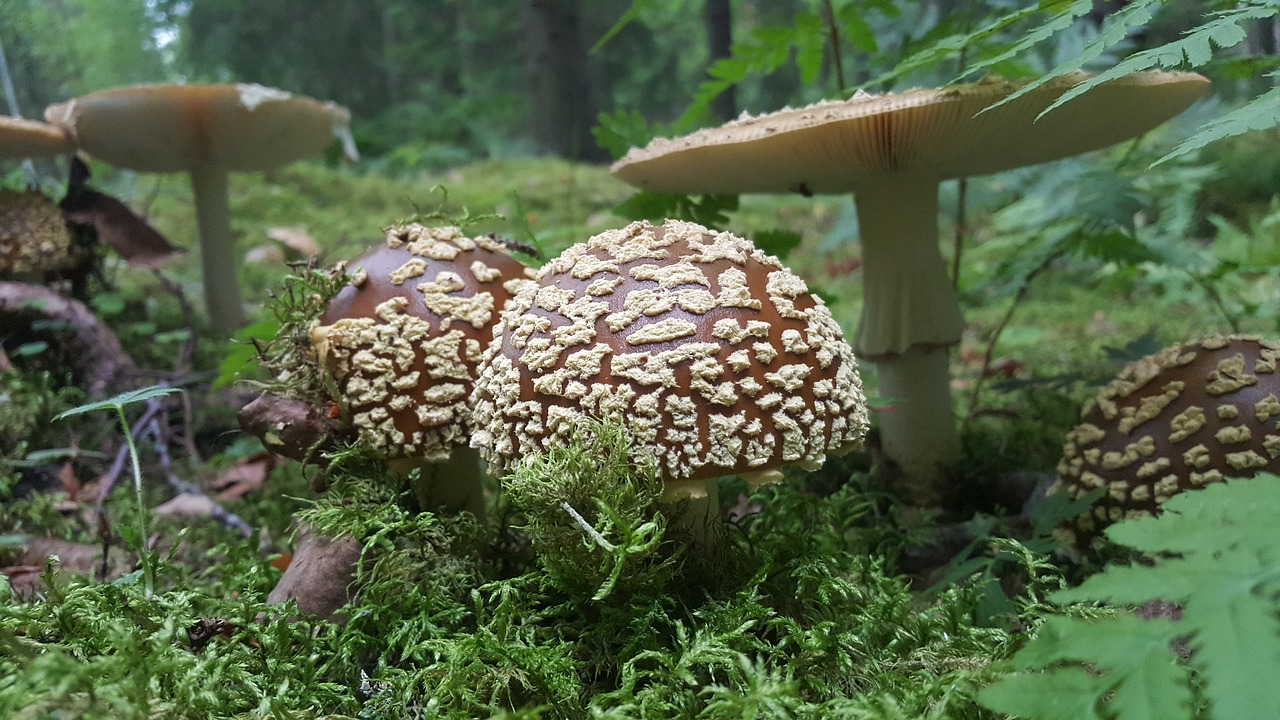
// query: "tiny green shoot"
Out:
[118,403]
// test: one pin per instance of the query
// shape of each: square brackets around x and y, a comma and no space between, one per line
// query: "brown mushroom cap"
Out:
[21,138]
[711,353]
[172,128]
[1189,415]
[833,147]
[404,339]
[33,234]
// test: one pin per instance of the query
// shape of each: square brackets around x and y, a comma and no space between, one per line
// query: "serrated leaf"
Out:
[1059,694]
[776,242]
[1260,114]
[621,131]
[1213,551]
[810,42]
[854,27]
[1237,648]
[121,400]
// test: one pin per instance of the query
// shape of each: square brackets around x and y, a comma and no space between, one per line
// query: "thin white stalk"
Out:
[219,260]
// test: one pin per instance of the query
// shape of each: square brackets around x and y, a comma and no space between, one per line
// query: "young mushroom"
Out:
[715,358]
[1186,416]
[891,151]
[207,131]
[403,342]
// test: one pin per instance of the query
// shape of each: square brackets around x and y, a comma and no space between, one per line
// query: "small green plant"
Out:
[147,558]
[1213,552]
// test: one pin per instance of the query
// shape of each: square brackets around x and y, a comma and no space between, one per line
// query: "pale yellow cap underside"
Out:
[173,128]
[832,147]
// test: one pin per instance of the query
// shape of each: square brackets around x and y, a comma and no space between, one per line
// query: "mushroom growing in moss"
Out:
[403,342]
[207,131]
[1189,415]
[715,358]
[891,151]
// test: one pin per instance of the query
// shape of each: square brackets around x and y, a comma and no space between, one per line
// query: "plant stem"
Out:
[144,553]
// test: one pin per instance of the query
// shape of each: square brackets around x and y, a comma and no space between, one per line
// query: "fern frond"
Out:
[1214,552]
[1260,114]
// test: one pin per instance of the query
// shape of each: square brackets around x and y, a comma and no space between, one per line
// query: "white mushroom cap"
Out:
[21,138]
[172,128]
[834,147]
[208,131]
[714,356]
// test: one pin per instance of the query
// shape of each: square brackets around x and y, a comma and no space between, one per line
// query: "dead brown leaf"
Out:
[296,239]
[187,505]
[246,476]
[137,242]
[76,558]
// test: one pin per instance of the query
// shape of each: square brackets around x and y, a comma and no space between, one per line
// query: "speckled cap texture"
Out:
[1189,415]
[33,234]
[715,357]
[404,340]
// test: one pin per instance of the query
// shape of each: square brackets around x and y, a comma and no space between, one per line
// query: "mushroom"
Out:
[207,131]
[715,358]
[20,139]
[1186,416]
[403,342]
[34,238]
[891,151]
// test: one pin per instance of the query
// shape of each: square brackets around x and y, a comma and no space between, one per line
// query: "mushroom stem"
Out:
[693,510]
[219,261]
[918,432]
[907,297]
[910,315]
[456,483]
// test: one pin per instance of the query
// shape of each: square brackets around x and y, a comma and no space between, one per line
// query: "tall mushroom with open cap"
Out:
[714,356]
[207,131]
[891,151]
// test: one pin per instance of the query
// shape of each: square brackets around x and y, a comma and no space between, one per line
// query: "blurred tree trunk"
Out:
[719,19]
[561,112]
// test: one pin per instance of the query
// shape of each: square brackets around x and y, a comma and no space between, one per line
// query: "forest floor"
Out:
[500,625]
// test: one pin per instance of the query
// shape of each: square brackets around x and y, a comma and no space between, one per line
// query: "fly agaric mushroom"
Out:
[714,356]
[207,131]
[1188,415]
[891,151]
[403,342]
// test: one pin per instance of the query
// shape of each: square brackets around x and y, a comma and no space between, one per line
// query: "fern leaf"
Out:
[1261,114]
[1214,551]
[1058,694]
[1195,49]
